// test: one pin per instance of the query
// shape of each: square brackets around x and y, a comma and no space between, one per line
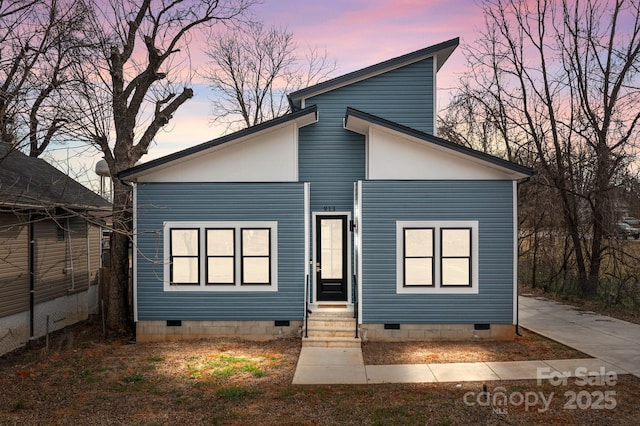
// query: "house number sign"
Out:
[329,208]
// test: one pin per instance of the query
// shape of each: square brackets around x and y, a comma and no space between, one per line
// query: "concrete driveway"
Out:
[614,341]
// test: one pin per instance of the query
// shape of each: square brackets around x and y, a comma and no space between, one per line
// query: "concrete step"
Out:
[335,323]
[331,342]
[331,326]
[320,312]
[332,332]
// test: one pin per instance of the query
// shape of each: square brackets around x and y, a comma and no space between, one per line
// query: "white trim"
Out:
[135,252]
[436,288]
[435,95]
[314,287]
[515,252]
[296,156]
[202,226]
[358,220]
[307,236]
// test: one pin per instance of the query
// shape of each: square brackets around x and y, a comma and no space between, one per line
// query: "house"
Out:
[49,249]
[348,207]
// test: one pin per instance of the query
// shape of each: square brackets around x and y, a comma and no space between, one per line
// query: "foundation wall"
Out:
[427,332]
[159,331]
[48,316]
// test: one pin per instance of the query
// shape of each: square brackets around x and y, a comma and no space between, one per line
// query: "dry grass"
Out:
[528,346]
[244,383]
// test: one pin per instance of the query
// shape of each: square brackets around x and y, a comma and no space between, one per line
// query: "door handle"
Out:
[318,269]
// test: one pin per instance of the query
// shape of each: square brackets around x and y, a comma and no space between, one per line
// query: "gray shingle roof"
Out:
[27,182]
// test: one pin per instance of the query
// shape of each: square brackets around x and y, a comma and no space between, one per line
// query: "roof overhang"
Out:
[361,122]
[300,118]
[440,51]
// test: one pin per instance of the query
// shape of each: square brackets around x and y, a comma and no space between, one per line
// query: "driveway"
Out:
[615,341]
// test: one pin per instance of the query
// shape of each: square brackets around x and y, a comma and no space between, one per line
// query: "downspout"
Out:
[88,234]
[32,274]
[73,281]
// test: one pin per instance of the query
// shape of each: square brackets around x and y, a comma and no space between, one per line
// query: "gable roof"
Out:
[359,121]
[441,51]
[303,117]
[28,182]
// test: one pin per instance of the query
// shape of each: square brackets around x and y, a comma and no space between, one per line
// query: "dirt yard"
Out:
[85,380]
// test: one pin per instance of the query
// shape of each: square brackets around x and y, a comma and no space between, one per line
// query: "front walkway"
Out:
[323,366]
[614,344]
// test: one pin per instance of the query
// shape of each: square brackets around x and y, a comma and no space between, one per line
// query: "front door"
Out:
[331,258]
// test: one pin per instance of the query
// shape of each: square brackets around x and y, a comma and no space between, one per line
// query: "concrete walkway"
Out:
[611,340]
[324,366]
[614,344]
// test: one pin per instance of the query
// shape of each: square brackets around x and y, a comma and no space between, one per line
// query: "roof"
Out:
[441,50]
[354,121]
[28,182]
[305,116]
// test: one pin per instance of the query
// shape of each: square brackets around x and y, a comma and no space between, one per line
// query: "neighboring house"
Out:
[49,249]
[349,203]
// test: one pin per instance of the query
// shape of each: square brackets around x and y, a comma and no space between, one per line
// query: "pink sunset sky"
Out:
[356,34]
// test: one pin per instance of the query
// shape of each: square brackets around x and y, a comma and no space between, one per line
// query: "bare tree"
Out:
[252,71]
[131,92]
[557,83]
[40,42]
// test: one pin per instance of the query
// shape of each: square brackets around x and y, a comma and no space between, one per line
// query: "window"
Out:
[184,256]
[60,233]
[220,256]
[418,256]
[455,256]
[256,253]
[437,257]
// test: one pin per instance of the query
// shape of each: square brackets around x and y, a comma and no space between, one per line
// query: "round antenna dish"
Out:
[102,168]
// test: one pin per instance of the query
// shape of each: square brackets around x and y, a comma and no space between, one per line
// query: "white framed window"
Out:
[437,256]
[220,256]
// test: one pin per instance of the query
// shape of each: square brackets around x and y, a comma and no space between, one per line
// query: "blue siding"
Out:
[281,202]
[332,158]
[385,202]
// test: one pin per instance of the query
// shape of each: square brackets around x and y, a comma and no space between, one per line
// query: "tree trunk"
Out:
[119,318]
